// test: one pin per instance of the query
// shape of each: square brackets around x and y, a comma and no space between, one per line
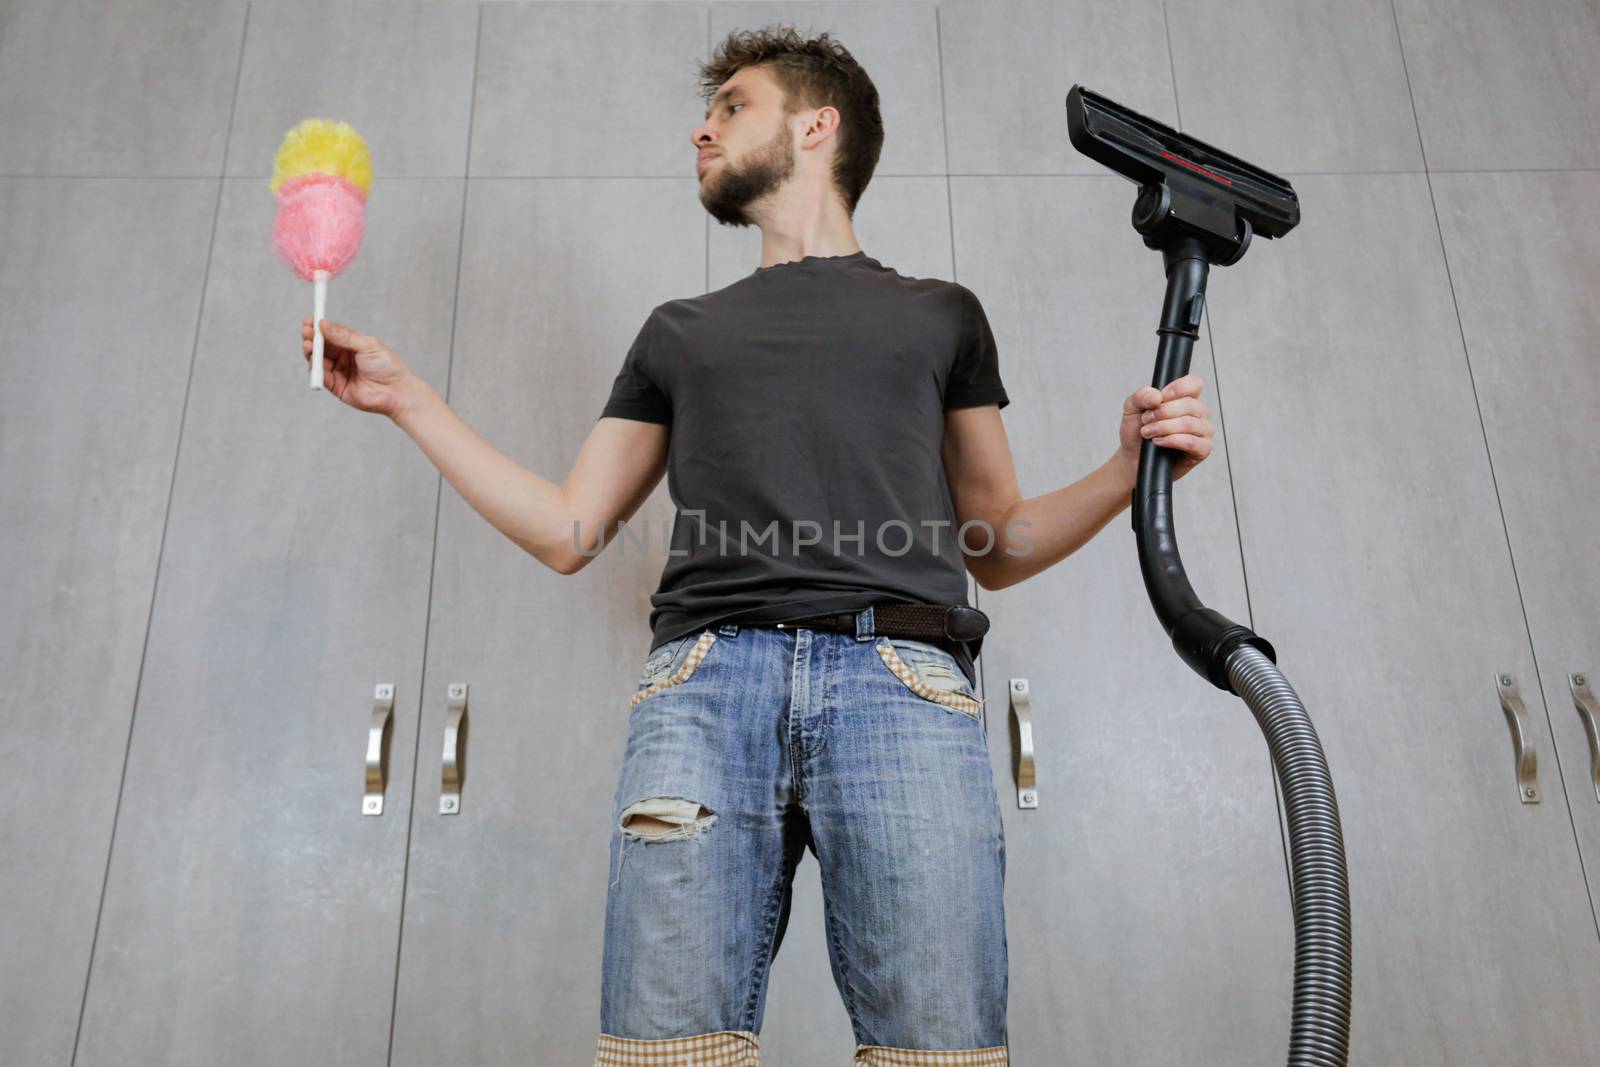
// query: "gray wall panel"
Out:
[137,87]
[1297,87]
[97,327]
[583,89]
[1008,65]
[400,74]
[1504,86]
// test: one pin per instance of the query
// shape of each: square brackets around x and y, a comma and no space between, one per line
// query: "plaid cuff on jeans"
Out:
[879,1056]
[725,1048]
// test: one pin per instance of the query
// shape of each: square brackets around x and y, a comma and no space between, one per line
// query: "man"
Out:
[831,429]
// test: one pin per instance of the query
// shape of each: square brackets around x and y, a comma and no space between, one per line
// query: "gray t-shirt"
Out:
[806,403]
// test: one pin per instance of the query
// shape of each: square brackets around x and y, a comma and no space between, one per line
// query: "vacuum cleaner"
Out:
[1197,206]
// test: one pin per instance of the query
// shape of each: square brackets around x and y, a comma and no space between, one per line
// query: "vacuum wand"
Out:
[1203,637]
[1200,206]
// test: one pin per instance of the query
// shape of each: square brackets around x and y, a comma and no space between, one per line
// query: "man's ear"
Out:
[824,125]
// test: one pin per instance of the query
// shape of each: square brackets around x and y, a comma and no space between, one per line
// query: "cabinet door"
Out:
[96,311]
[251,910]
[505,900]
[1380,569]
[1147,908]
[1524,261]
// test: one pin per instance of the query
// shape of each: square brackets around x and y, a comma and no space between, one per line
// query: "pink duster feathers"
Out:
[321,177]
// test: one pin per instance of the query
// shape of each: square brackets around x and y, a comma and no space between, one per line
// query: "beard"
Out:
[728,194]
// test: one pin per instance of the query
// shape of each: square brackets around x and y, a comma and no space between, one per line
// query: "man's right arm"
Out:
[620,463]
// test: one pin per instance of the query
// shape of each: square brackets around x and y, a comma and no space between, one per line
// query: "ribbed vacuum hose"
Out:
[1319,1032]
[1233,657]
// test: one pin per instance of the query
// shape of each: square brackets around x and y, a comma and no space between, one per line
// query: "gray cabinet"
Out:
[1523,261]
[1353,495]
[212,570]
[250,912]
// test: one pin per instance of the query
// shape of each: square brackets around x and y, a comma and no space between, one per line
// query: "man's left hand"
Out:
[1174,418]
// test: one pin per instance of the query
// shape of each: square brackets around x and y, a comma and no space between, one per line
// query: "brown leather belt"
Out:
[953,622]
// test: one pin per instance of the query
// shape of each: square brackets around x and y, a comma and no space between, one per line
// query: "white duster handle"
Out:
[320,305]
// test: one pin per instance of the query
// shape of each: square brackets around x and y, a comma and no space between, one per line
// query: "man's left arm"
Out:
[1015,538]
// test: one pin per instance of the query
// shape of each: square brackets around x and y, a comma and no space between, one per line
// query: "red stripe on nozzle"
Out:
[1195,166]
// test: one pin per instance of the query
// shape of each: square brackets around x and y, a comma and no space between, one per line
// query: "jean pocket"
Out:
[672,664]
[930,672]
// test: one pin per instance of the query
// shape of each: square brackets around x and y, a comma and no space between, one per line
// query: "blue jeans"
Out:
[745,746]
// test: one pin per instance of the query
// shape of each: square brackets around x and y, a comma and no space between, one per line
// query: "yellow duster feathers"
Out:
[322,146]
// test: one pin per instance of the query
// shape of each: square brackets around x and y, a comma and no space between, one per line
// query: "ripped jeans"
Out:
[746,745]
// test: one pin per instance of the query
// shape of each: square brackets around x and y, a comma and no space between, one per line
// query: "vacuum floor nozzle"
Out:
[1187,187]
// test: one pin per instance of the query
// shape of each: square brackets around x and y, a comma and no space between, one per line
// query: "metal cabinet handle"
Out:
[1021,719]
[1522,735]
[1583,697]
[450,797]
[378,734]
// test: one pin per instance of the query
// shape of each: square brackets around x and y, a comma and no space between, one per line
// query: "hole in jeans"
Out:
[666,819]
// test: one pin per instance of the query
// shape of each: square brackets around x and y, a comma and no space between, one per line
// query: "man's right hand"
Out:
[358,368]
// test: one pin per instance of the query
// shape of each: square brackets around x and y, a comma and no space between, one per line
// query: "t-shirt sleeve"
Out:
[635,394]
[975,376]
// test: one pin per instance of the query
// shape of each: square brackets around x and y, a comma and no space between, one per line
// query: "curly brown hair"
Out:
[812,73]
